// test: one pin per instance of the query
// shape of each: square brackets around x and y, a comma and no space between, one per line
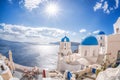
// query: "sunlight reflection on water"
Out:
[44,56]
[47,56]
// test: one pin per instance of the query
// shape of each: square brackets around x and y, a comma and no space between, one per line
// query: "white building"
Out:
[89,49]
[113,44]
[65,46]
[94,49]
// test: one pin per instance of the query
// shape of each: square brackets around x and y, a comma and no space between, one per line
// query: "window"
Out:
[93,52]
[101,38]
[117,30]
[65,46]
[85,53]
[118,56]
[101,44]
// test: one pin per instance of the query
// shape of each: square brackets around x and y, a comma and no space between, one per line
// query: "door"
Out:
[118,58]
[118,55]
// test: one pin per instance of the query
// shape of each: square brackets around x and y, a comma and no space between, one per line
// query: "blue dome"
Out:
[90,40]
[101,33]
[65,39]
[62,40]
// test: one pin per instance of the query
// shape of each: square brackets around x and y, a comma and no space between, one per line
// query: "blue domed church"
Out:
[94,49]
[65,46]
[101,38]
[89,48]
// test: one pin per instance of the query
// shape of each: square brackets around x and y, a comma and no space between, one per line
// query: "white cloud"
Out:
[30,34]
[101,0]
[96,32]
[82,30]
[103,4]
[107,11]
[105,7]
[97,6]
[117,4]
[32,4]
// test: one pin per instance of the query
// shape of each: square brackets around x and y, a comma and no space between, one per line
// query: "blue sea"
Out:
[43,56]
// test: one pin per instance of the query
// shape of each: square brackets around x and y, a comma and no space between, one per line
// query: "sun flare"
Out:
[52,9]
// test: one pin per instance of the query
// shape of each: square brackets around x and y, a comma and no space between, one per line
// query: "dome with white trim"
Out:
[90,40]
[101,33]
[65,39]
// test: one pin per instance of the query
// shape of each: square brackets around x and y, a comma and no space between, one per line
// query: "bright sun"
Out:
[52,9]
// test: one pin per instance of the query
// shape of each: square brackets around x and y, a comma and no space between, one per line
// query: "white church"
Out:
[94,49]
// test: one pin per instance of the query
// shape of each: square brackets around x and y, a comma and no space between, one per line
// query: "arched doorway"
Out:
[118,56]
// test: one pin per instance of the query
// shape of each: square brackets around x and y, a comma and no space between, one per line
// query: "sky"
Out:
[36,21]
